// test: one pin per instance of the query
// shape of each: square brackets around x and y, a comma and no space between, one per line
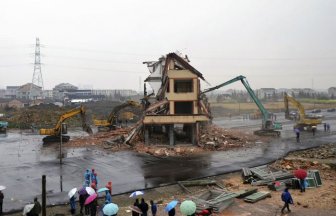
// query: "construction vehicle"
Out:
[110,122]
[3,126]
[55,134]
[302,120]
[268,127]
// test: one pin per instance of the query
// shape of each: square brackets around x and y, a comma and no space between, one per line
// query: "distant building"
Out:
[48,94]
[114,93]
[308,92]
[332,92]
[29,91]
[12,103]
[2,93]
[11,91]
[65,87]
[60,91]
[266,93]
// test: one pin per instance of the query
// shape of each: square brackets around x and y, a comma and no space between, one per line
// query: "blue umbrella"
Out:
[171,205]
[110,209]
[102,189]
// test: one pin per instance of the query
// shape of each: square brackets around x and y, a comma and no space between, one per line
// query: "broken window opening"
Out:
[185,107]
[183,86]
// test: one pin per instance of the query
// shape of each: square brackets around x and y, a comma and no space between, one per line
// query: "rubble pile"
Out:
[102,139]
[324,152]
[216,138]
[321,158]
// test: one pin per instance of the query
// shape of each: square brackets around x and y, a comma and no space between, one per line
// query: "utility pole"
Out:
[37,76]
[60,147]
[44,212]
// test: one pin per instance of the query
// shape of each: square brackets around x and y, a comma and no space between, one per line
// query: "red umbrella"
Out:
[90,199]
[300,173]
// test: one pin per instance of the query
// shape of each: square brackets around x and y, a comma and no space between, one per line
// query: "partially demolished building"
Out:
[174,109]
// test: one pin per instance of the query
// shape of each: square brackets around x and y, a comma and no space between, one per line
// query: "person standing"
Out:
[144,207]
[109,186]
[287,199]
[93,207]
[87,177]
[1,201]
[303,185]
[297,132]
[136,204]
[313,130]
[73,205]
[108,197]
[36,210]
[82,198]
[153,208]
[325,127]
[171,212]
[328,127]
[87,207]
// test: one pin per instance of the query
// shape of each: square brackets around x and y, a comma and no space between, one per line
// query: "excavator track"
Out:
[54,139]
[267,133]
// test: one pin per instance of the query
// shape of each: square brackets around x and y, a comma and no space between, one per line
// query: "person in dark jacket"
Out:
[171,212]
[82,198]
[87,177]
[73,205]
[36,210]
[287,199]
[153,208]
[136,204]
[87,207]
[144,207]
[93,207]
[1,201]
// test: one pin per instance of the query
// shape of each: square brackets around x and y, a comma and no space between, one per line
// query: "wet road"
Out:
[24,161]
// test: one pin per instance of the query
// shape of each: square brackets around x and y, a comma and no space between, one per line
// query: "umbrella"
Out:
[110,209]
[90,198]
[90,190]
[2,187]
[188,207]
[27,209]
[300,173]
[171,205]
[82,191]
[102,189]
[136,193]
[72,192]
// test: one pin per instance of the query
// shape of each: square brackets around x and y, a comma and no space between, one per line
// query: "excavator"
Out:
[302,121]
[54,134]
[268,127]
[109,123]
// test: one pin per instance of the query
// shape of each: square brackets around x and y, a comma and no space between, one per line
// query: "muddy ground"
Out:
[315,201]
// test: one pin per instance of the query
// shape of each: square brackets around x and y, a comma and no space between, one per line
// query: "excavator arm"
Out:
[268,126]
[55,133]
[114,114]
[302,121]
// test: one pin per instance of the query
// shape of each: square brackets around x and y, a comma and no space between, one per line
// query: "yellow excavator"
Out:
[302,120]
[54,134]
[110,122]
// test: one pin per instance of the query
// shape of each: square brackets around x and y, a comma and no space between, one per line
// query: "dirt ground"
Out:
[315,201]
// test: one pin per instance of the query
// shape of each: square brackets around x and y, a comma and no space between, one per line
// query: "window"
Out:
[185,107]
[183,86]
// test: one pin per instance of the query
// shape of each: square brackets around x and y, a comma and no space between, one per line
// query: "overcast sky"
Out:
[102,44]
